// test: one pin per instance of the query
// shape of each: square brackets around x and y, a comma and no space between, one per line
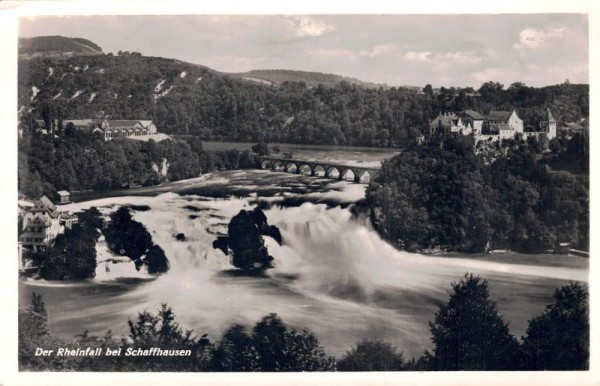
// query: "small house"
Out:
[63,197]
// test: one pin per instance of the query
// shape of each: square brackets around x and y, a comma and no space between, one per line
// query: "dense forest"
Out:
[183,98]
[82,161]
[442,194]
[56,46]
[468,333]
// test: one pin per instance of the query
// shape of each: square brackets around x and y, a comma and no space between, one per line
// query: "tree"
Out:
[91,219]
[235,351]
[284,349]
[428,90]
[162,331]
[127,236]
[244,239]
[261,148]
[468,332]
[372,356]
[559,338]
[73,255]
[156,261]
[70,129]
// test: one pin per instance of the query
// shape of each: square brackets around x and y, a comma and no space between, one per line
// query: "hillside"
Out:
[185,98]
[312,79]
[56,46]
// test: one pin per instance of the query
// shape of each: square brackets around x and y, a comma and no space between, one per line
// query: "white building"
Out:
[496,126]
[505,124]
[114,128]
[41,224]
[449,125]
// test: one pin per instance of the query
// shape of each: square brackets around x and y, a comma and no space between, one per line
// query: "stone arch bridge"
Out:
[318,168]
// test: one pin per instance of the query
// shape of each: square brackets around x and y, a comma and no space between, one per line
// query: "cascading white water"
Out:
[334,275]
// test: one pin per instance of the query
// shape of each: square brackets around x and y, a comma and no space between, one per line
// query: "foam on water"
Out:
[333,274]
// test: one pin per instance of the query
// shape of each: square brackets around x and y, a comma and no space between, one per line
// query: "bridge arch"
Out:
[278,165]
[304,169]
[266,164]
[364,176]
[291,167]
[347,174]
[332,172]
[319,170]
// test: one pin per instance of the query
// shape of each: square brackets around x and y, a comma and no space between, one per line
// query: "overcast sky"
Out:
[443,50]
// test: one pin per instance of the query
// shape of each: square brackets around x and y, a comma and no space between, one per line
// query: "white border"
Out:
[9,14]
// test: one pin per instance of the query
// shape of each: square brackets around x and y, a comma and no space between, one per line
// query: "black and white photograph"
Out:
[302,192]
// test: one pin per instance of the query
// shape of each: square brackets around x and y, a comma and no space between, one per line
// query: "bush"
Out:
[162,331]
[372,356]
[235,351]
[261,148]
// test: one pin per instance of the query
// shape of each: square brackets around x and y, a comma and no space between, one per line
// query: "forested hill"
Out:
[184,98]
[310,78]
[49,46]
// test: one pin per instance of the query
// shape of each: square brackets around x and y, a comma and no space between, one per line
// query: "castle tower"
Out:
[550,125]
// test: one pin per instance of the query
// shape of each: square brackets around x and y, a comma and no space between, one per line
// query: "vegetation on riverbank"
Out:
[83,161]
[128,237]
[442,194]
[73,255]
[244,238]
[468,333]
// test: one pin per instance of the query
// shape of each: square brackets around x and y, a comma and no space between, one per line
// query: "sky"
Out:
[441,50]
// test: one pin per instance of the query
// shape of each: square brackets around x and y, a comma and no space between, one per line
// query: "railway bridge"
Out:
[318,168]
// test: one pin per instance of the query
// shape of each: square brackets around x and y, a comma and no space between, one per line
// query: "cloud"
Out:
[532,38]
[378,50]
[418,56]
[334,53]
[306,26]
[459,57]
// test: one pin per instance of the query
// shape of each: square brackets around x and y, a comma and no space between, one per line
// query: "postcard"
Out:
[310,195]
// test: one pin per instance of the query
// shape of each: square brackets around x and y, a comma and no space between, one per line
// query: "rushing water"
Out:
[334,275]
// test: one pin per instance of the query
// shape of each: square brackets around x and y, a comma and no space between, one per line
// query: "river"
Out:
[334,275]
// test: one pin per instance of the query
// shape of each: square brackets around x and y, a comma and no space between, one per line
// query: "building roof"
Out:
[499,115]
[46,206]
[445,119]
[63,193]
[79,122]
[550,117]
[145,123]
[121,122]
[45,201]
[473,114]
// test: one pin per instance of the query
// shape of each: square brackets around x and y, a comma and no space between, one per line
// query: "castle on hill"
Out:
[496,126]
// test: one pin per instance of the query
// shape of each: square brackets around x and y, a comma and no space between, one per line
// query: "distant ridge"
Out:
[56,46]
[312,79]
